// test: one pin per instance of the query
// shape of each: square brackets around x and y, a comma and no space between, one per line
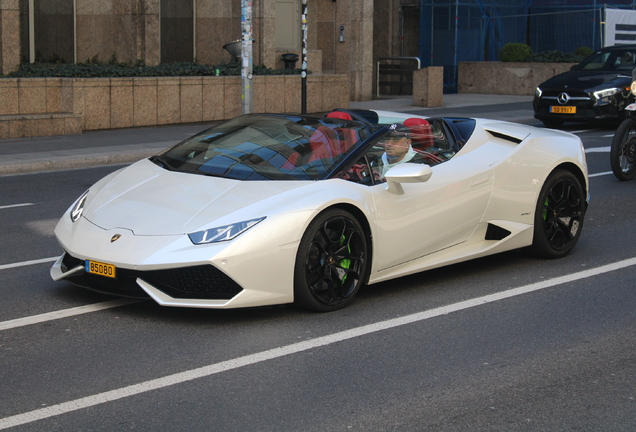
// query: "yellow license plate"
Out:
[99,268]
[563,109]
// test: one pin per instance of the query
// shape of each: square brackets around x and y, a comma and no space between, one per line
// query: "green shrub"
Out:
[93,69]
[555,57]
[584,51]
[514,52]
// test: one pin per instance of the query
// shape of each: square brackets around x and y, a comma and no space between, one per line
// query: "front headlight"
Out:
[78,207]
[538,92]
[600,94]
[633,88]
[222,233]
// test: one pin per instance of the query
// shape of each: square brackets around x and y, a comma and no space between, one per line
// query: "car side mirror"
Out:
[406,173]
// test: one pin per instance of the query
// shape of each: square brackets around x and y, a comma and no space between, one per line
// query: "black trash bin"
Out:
[290,60]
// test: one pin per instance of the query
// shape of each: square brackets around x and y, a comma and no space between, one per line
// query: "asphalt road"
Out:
[508,342]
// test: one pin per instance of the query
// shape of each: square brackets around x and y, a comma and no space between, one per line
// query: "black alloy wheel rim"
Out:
[562,214]
[627,155]
[335,261]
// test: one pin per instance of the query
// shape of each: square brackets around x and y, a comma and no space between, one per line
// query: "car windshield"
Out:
[614,60]
[267,147]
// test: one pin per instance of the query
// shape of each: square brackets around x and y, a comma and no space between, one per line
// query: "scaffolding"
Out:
[452,31]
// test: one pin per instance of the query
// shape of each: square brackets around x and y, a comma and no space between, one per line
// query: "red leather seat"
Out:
[348,137]
[421,133]
[340,115]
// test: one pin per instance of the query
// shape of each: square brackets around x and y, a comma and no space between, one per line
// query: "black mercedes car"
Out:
[595,90]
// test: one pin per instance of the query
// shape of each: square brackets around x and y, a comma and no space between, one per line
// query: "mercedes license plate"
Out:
[563,109]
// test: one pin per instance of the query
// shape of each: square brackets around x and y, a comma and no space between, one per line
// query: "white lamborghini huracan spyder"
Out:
[271,209]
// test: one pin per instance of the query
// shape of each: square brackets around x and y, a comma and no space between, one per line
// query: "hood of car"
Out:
[150,200]
[586,80]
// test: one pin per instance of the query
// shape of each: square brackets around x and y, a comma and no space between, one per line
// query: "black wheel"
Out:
[331,263]
[623,153]
[553,124]
[558,218]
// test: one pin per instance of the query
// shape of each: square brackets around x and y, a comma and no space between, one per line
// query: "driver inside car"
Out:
[397,148]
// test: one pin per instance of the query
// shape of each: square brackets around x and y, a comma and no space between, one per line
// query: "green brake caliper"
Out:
[344,263]
[545,209]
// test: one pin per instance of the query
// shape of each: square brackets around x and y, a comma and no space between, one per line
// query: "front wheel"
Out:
[558,218]
[623,153]
[331,263]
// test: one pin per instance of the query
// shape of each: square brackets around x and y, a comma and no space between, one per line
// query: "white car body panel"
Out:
[495,179]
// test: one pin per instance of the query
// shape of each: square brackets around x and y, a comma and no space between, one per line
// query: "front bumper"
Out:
[586,111]
[202,282]
[255,269]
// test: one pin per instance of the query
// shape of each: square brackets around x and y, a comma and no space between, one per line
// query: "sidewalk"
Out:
[120,146]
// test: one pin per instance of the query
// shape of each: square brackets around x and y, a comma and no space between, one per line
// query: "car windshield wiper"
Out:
[158,160]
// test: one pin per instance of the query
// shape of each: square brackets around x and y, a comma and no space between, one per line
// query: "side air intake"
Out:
[504,136]
[494,232]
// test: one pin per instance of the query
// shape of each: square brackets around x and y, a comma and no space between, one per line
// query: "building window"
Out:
[177,31]
[288,24]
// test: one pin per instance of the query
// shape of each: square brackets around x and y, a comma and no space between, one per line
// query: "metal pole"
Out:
[246,56]
[31,31]
[303,73]
[194,30]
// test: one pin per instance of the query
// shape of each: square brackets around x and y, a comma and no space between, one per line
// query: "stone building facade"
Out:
[344,36]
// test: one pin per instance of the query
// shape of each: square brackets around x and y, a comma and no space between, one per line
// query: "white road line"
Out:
[216,368]
[15,205]
[598,149]
[26,263]
[583,131]
[65,313]
[600,174]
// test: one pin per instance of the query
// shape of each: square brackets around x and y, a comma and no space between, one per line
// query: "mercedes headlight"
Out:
[600,94]
[78,207]
[222,233]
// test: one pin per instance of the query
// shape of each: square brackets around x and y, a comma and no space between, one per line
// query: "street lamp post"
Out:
[303,73]
[246,56]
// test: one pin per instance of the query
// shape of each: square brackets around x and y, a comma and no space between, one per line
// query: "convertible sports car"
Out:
[272,209]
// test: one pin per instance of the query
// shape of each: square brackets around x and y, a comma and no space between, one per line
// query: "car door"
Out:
[430,216]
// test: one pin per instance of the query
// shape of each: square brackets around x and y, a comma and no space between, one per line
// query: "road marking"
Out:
[65,313]
[600,174]
[582,131]
[216,368]
[26,263]
[598,149]
[15,205]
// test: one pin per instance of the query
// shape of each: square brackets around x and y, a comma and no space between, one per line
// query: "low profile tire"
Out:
[558,219]
[623,152]
[331,264]
[553,124]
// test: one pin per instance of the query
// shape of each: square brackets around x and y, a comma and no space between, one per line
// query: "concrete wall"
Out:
[57,106]
[506,78]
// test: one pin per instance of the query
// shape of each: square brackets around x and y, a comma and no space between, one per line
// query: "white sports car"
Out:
[270,209]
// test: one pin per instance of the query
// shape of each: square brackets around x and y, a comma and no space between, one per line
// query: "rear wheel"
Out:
[558,219]
[331,262]
[623,153]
